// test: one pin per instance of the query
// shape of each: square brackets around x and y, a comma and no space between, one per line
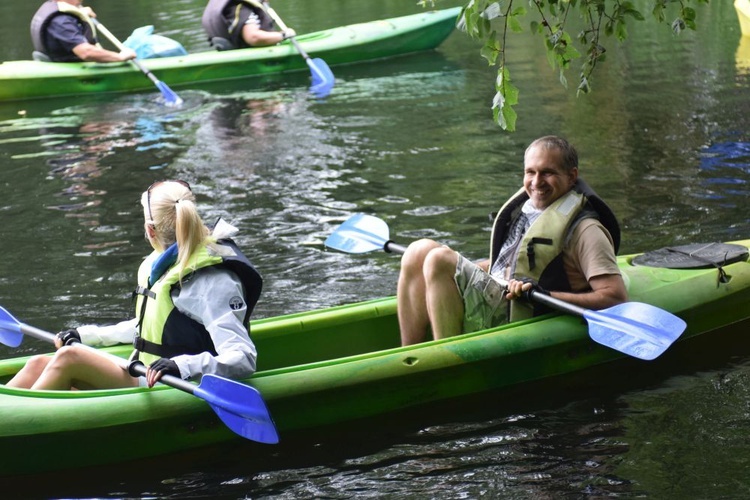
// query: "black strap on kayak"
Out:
[722,273]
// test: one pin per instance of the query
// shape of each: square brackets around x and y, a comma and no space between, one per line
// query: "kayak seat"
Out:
[694,256]
[40,56]
[220,43]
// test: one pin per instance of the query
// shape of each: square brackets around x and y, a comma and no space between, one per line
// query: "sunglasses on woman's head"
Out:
[157,183]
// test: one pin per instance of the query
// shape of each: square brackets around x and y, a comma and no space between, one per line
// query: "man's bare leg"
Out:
[413,318]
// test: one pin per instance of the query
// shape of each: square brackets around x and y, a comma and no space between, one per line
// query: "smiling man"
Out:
[555,235]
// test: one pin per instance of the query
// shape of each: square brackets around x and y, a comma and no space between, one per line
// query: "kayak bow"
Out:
[239,406]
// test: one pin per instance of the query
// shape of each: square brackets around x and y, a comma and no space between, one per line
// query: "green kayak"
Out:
[342,45]
[335,365]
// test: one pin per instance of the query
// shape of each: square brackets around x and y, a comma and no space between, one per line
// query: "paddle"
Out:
[170,98]
[322,76]
[239,406]
[634,328]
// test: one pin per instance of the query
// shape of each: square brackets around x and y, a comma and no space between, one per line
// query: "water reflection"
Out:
[725,173]
[79,145]
[76,173]
[726,155]
[238,135]
[678,435]
[77,162]
[268,162]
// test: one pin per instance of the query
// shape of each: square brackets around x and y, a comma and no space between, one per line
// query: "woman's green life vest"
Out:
[163,331]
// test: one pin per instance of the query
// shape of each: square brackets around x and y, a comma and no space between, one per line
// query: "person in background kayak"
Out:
[238,24]
[62,31]
[193,302]
[555,235]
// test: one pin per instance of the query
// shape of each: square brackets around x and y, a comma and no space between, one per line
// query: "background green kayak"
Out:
[334,365]
[342,45]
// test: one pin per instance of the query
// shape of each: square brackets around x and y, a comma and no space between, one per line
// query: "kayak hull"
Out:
[326,367]
[341,45]
[743,14]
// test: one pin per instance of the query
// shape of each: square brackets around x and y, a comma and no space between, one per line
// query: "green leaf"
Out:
[490,51]
[622,32]
[658,12]
[551,57]
[504,100]
[511,94]
[509,116]
[514,24]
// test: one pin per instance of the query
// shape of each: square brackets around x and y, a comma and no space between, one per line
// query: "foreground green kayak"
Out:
[334,365]
[342,45]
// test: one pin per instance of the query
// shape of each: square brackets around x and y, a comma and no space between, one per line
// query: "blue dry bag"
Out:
[147,45]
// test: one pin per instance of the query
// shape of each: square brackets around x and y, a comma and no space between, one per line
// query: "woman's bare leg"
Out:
[77,367]
[30,372]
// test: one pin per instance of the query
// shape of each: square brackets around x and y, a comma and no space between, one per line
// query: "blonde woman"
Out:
[194,297]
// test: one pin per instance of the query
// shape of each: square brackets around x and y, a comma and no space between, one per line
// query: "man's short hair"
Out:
[568,153]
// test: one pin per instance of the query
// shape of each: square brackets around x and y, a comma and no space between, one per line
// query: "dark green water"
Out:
[664,138]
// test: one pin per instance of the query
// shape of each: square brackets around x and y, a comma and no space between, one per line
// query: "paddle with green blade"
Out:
[634,328]
[170,98]
[322,76]
[239,406]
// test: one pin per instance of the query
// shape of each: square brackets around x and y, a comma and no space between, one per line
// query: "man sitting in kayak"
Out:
[194,298]
[238,24]
[62,31]
[555,234]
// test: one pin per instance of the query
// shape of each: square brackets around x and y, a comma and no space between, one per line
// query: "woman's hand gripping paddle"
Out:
[321,74]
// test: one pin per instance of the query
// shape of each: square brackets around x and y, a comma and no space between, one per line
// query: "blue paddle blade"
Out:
[640,330]
[170,98]
[360,233]
[322,77]
[240,407]
[10,329]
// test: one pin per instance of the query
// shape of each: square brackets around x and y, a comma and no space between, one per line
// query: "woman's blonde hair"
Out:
[169,207]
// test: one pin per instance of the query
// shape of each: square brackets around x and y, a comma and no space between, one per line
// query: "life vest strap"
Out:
[142,290]
[530,249]
[142,345]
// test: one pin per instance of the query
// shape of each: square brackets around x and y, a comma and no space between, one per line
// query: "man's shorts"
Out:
[484,298]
